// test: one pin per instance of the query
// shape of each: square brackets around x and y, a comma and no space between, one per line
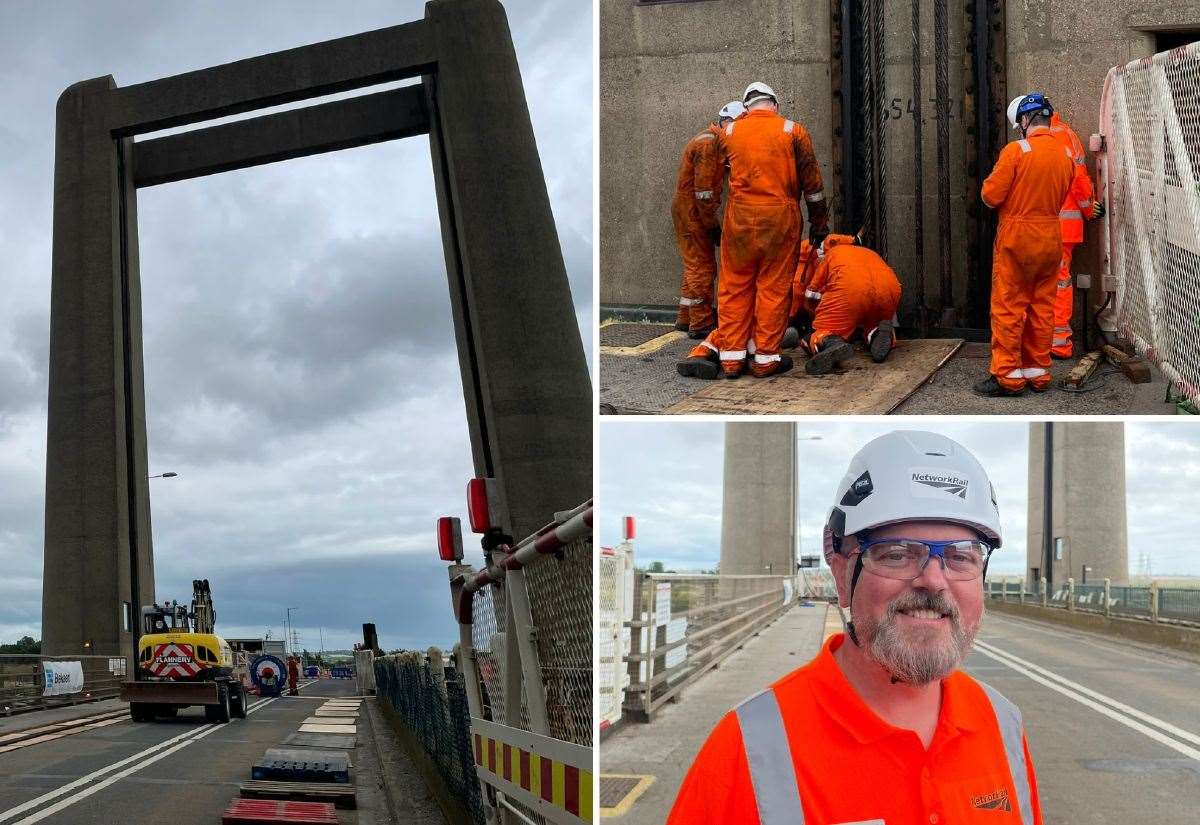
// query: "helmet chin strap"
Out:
[858,568]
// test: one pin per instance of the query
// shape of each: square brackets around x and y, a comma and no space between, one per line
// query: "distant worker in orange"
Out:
[883,726]
[1027,186]
[697,231]
[850,289]
[771,168]
[1079,205]
[293,676]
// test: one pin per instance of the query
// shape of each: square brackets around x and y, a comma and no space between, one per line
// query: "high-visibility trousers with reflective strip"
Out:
[1025,264]
[772,773]
[699,265]
[1064,303]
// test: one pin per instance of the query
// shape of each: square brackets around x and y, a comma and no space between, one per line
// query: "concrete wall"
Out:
[665,70]
[758,517]
[1089,510]
[1177,637]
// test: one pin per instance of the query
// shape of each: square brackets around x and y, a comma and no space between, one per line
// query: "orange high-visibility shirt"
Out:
[1031,178]
[700,177]
[770,157]
[845,764]
[1080,201]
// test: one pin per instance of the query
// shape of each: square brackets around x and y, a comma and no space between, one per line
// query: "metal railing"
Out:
[525,652]
[25,680]
[1154,602]
[687,623]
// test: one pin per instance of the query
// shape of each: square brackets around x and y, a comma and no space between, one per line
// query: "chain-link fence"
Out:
[30,682]
[1151,124]
[1154,602]
[424,693]
[687,623]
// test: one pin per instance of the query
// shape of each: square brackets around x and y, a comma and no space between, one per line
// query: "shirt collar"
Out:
[1036,130]
[843,704]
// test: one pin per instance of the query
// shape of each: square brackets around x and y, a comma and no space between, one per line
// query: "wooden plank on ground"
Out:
[1082,371]
[864,388]
[342,796]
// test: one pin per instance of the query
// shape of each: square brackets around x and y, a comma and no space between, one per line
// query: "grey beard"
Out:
[917,665]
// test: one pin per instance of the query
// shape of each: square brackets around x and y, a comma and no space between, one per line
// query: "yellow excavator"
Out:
[183,663]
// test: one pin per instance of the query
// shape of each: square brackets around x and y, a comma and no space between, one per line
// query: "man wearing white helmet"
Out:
[694,214]
[881,726]
[772,168]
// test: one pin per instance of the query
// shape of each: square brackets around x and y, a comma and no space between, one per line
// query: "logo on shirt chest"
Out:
[994,801]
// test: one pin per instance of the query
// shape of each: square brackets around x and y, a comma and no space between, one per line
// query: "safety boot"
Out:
[771,367]
[706,366]
[791,338]
[992,388]
[733,369]
[700,334]
[832,352]
[881,341]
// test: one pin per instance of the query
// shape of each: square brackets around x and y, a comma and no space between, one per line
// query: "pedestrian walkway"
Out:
[65,713]
[664,749]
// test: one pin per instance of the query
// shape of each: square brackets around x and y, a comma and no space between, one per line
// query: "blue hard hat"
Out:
[1034,102]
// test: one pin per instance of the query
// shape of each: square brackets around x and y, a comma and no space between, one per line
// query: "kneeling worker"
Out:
[694,214]
[882,726]
[850,289]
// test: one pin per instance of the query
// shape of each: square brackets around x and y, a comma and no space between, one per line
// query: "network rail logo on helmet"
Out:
[931,483]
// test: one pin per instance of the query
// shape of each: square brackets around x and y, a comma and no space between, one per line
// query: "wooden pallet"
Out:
[342,796]
[266,811]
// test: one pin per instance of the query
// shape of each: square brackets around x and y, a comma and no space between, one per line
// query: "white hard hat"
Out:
[733,109]
[1012,109]
[908,475]
[757,90]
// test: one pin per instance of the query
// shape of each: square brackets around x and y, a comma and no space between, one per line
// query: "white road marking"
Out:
[173,744]
[1161,659]
[1078,692]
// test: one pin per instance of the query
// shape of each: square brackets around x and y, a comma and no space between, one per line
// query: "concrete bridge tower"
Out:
[1077,503]
[758,523]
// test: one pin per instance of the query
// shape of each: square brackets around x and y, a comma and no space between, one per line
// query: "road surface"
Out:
[179,771]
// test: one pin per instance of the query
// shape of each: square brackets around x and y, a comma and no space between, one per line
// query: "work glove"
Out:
[817,236]
[1098,210]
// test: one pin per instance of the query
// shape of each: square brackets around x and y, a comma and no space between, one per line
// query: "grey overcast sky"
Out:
[669,475]
[301,372]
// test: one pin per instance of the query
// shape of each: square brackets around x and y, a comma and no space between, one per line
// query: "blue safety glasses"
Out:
[904,559]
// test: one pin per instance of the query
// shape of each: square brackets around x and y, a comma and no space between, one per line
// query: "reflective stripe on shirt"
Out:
[815,197]
[1071,214]
[1025,147]
[704,194]
[772,772]
[1009,719]
[788,126]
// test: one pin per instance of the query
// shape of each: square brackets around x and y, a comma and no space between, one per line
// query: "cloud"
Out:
[669,475]
[302,374]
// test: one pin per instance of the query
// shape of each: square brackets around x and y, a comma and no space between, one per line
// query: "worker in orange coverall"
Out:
[697,231]
[1027,187]
[771,167]
[1079,205]
[849,289]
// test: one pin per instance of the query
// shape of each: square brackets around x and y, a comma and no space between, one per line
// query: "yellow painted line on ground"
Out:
[653,345]
[622,807]
[833,622]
